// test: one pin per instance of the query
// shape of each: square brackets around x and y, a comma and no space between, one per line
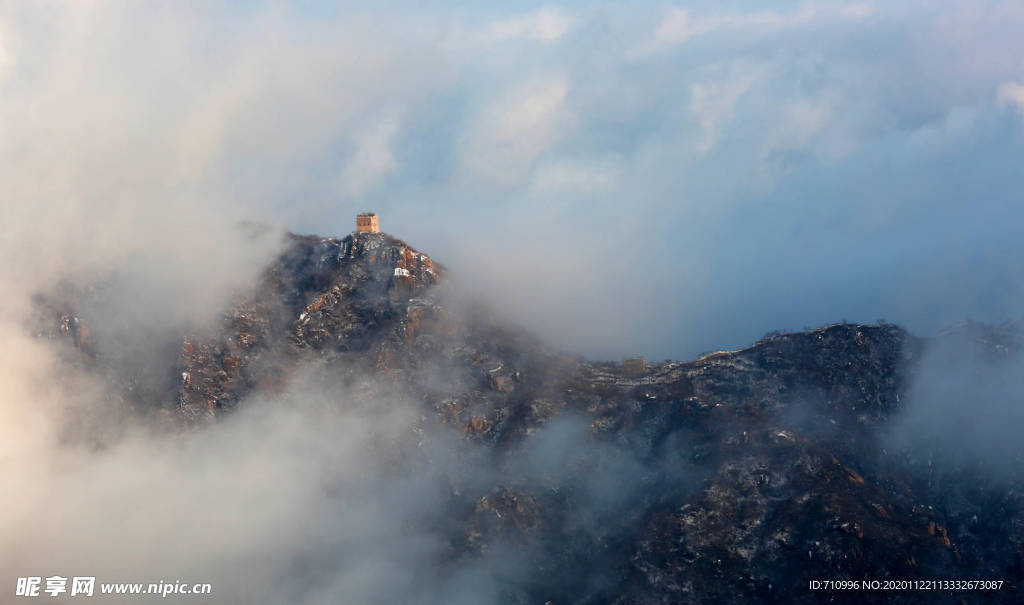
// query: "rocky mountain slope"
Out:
[737,477]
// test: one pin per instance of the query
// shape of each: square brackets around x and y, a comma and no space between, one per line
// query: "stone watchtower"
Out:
[366,222]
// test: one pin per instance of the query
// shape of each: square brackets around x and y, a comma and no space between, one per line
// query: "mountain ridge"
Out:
[755,469]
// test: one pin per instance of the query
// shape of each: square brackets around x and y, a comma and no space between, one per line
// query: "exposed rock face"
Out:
[327,296]
[754,470]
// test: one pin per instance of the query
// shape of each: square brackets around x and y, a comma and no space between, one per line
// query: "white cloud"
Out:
[678,25]
[545,25]
[861,10]
[130,129]
[373,160]
[511,133]
[1012,93]
[803,119]
[942,135]
[713,104]
[6,54]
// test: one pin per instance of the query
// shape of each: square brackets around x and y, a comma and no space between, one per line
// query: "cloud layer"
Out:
[645,178]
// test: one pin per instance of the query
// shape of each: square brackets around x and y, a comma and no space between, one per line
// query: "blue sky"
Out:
[625,178]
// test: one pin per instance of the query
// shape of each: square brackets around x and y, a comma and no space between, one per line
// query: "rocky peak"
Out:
[325,294]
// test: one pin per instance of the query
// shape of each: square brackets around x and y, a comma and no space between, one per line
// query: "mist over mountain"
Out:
[354,429]
[823,159]
[464,418]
